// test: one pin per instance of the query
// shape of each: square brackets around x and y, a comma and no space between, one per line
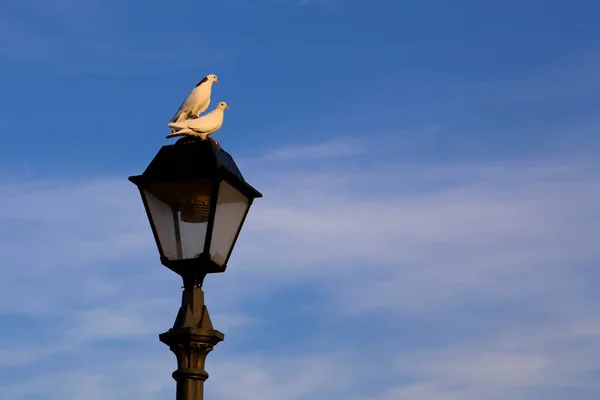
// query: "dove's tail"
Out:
[178,125]
[181,132]
[176,118]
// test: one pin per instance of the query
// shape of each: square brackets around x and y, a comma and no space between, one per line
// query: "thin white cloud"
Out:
[419,238]
[329,150]
[553,356]
[274,378]
[141,377]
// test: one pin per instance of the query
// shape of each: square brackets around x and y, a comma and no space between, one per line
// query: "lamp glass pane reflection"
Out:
[231,209]
[180,213]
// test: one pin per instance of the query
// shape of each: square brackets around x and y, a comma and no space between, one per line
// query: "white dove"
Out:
[201,126]
[197,101]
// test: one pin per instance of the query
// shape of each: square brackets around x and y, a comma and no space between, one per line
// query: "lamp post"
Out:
[196,200]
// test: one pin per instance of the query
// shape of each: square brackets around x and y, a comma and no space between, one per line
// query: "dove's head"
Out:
[222,105]
[209,80]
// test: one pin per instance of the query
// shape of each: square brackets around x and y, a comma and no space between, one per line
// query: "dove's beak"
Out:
[216,80]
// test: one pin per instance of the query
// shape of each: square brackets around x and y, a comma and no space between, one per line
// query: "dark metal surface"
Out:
[193,336]
[192,158]
[191,339]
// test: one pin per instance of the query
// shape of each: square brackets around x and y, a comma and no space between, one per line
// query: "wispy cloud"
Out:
[512,364]
[284,378]
[327,150]
[395,239]
[143,378]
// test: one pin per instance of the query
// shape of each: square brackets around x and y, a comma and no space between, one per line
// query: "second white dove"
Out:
[202,126]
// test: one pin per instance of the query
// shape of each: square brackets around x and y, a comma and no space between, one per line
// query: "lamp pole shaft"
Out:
[190,377]
[191,339]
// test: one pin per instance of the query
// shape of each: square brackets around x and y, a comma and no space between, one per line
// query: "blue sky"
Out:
[430,221]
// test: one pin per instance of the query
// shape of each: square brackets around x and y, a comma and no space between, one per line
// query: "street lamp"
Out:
[196,200]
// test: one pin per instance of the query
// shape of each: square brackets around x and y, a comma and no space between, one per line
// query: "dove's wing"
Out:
[201,106]
[199,98]
[185,107]
[206,123]
[181,132]
[201,126]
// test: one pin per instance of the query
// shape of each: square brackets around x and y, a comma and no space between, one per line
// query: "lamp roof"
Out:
[192,158]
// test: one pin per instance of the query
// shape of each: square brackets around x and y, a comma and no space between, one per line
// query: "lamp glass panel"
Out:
[230,211]
[193,237]
[162,218]
[187,205]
